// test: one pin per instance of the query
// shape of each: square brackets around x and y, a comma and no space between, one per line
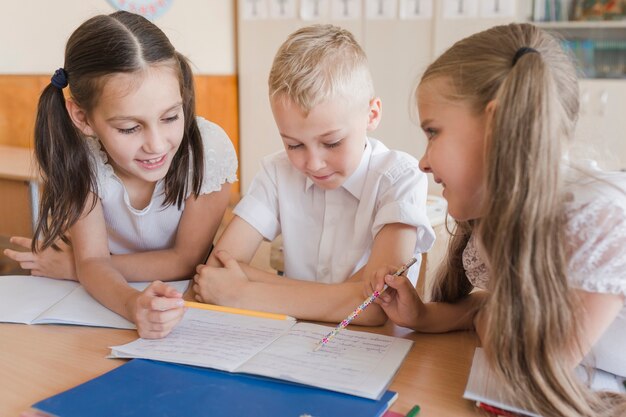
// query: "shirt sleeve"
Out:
[220,159]
[259,207]
[597,235]
[403,200]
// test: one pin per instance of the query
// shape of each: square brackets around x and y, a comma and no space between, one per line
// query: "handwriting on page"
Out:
[351,360]
[212,339]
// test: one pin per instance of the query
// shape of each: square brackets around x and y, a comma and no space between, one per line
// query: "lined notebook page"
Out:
[209,338]
[356,363]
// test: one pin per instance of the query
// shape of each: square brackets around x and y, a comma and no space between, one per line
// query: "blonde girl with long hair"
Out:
[537,261]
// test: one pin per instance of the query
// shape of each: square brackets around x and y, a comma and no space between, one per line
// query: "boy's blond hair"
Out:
[317,63]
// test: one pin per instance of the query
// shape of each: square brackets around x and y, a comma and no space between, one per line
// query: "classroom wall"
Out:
[33,32]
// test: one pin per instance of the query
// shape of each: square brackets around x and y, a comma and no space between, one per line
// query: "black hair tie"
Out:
[523,51]
[59,79]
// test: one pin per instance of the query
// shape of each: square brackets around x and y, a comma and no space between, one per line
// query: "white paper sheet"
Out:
[482,385]
[37,300]
[208,338]
[356,363]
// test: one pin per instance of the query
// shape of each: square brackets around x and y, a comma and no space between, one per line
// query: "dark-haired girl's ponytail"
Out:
[64,163]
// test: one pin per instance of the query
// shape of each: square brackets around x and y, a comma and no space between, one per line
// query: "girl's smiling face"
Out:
[140,122]
[455,152]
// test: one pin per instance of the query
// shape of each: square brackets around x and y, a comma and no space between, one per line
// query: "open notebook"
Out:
[36,300]
[483,387]
[356,363]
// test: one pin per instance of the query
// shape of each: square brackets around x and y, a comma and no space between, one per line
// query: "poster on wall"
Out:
[381,9]
[497,8]
[345,9]
[253,9]
[416,9]
[460,9]
[283,9]
[150,9]
[313,9]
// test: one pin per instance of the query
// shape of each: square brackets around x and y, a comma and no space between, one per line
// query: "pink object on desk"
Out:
[392,414]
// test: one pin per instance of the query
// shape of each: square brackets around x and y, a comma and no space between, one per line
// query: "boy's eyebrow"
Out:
[329,133]
[287,137]
[135,117]
[323,135]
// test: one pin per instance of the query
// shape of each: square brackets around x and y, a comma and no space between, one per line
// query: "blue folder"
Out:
[149,388]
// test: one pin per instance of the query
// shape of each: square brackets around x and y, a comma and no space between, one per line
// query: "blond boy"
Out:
[345,205]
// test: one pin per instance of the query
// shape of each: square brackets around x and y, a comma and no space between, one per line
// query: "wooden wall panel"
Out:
[15,208]
[216,100]
[19,95]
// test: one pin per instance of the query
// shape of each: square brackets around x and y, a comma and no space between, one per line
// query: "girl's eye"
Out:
[171,119]
[430,133]
[129,130]
[333,145]
[292,147]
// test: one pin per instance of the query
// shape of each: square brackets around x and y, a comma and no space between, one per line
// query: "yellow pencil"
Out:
[232,310]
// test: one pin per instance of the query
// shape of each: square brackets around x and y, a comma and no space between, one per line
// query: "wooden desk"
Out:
[37,361]
[19,191]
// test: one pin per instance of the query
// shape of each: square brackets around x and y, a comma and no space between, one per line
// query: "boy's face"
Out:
[327,144]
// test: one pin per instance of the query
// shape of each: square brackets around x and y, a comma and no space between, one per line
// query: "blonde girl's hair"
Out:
[532,316]
[317,63]
[103,46]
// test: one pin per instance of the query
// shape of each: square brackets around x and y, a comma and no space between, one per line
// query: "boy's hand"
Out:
[400,301]
[156,310]
[47,263]
[220,286]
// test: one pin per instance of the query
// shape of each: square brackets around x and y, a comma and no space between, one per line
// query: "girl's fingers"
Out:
[21,241]
[19,256]
[397,282]
[32,266]
[161,289]
[163,318]
[162,304]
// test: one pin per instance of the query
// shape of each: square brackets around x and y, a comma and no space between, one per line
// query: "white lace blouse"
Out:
[154,227]
[596,233]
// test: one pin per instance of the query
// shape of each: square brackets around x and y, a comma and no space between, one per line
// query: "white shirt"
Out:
[154,227]
[596,233]
[328,234]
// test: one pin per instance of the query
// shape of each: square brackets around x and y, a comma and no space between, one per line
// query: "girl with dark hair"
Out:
[134,184]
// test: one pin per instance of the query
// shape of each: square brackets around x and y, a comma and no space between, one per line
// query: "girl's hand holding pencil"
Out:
[401,302]
[344,323]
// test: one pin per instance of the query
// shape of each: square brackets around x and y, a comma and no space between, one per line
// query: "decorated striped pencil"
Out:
[344,323]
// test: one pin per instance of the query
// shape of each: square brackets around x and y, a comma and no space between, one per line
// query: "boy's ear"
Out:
[375,113]
[79,117]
